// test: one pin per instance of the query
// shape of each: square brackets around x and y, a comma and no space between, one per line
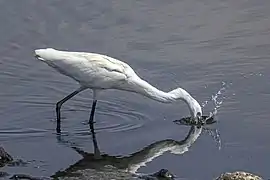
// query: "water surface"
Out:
[201,46]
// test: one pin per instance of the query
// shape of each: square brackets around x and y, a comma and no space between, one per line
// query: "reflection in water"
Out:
[131,163]
[207,120]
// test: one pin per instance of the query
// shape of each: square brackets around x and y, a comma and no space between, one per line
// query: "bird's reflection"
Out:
[134,161]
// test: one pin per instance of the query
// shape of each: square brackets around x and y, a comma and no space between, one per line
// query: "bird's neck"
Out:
[142,87]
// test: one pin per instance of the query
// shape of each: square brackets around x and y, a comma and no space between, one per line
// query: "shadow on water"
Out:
[122,167]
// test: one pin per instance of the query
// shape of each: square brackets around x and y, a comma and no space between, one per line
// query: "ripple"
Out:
[22,132]
[112,117]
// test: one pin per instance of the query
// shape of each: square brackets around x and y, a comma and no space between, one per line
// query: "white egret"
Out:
[99,72]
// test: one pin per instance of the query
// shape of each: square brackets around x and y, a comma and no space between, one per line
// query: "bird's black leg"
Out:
[96,149]
[91,125]
[59,105]
[91,119]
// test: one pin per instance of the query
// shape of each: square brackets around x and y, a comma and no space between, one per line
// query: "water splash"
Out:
[217,100]
[214,133]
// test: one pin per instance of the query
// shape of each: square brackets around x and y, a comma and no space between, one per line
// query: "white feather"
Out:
[97,72]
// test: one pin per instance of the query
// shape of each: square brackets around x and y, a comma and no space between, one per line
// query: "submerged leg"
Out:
[91,124]
[60,103]
[97,154]
[92,129]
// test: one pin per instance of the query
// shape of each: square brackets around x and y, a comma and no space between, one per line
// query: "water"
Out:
[197,45]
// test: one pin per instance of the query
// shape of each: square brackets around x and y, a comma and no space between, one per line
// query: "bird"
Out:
[100,72]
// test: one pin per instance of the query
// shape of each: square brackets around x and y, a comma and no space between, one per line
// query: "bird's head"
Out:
[194,107]
[196,110]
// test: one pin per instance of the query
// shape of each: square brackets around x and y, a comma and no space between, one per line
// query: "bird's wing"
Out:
[99,70]
[90,69]
[108,63]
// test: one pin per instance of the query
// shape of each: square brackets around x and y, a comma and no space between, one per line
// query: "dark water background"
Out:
[189,43]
